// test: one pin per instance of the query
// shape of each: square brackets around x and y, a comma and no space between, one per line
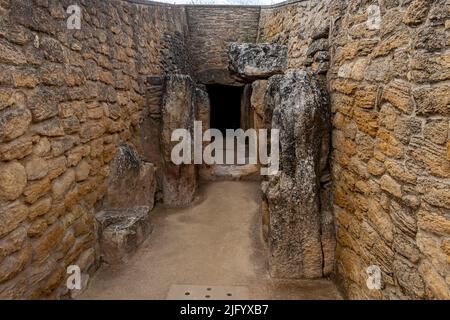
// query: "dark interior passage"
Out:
[225,106]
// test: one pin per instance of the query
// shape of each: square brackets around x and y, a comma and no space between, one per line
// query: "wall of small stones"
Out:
[68,99]
[211,28]
[304,27]
[391,151]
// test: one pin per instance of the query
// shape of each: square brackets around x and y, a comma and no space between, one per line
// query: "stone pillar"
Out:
[300,112]
[178,111]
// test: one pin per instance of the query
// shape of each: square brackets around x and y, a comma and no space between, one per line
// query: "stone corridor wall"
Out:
[68,99]
[211,28]
[304,27]
[391,150]
[390,154]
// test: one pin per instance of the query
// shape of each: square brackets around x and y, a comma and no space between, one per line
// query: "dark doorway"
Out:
[225,106]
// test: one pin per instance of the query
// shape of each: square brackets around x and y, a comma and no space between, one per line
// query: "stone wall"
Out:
[211,28]
[68,99]
[299,236]
[391,161]
[304,27]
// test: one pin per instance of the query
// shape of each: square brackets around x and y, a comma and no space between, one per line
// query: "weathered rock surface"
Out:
[300,112]
[257,61]
[121,231]
[69,99]
[13,180]
[13,123]
[132,182]
[271,99]
[148,144]
[178,111]
[257,103]
[203,108]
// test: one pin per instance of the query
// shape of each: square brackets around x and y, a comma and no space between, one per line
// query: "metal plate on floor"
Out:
[194,292]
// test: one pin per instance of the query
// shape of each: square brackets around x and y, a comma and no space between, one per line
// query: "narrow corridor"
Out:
[214,242]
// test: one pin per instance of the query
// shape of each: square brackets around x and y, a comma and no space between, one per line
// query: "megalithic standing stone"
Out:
[300,112]
[178,112]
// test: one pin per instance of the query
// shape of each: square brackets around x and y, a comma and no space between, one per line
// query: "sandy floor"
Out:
[215,242]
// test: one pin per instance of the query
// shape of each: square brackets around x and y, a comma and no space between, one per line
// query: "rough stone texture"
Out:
[303,27]
[68,100]
[257,61]
[178,111]
[246,115]
[390,130]
[257,103]
[132,182]
[13,180]
[148,146]
[390,163]
[301,114]
[271,99]
[121,231]
[211,29]
[13,123]
[203,108]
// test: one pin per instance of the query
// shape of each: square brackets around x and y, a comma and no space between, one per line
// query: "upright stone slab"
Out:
[271,99]
[178,112]
[253,61]
[300,112]
[257,103]
[246,114]
[132,181]
[203,108]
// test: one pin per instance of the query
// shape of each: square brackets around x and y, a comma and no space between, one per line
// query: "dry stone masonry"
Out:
[178,111]
[86,118]
[391,104]
[69,100]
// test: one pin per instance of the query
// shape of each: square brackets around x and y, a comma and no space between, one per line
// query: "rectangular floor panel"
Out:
[195,292]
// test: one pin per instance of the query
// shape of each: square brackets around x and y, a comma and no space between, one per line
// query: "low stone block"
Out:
[121,231]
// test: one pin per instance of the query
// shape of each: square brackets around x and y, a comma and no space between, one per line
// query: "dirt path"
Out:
[214,242]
